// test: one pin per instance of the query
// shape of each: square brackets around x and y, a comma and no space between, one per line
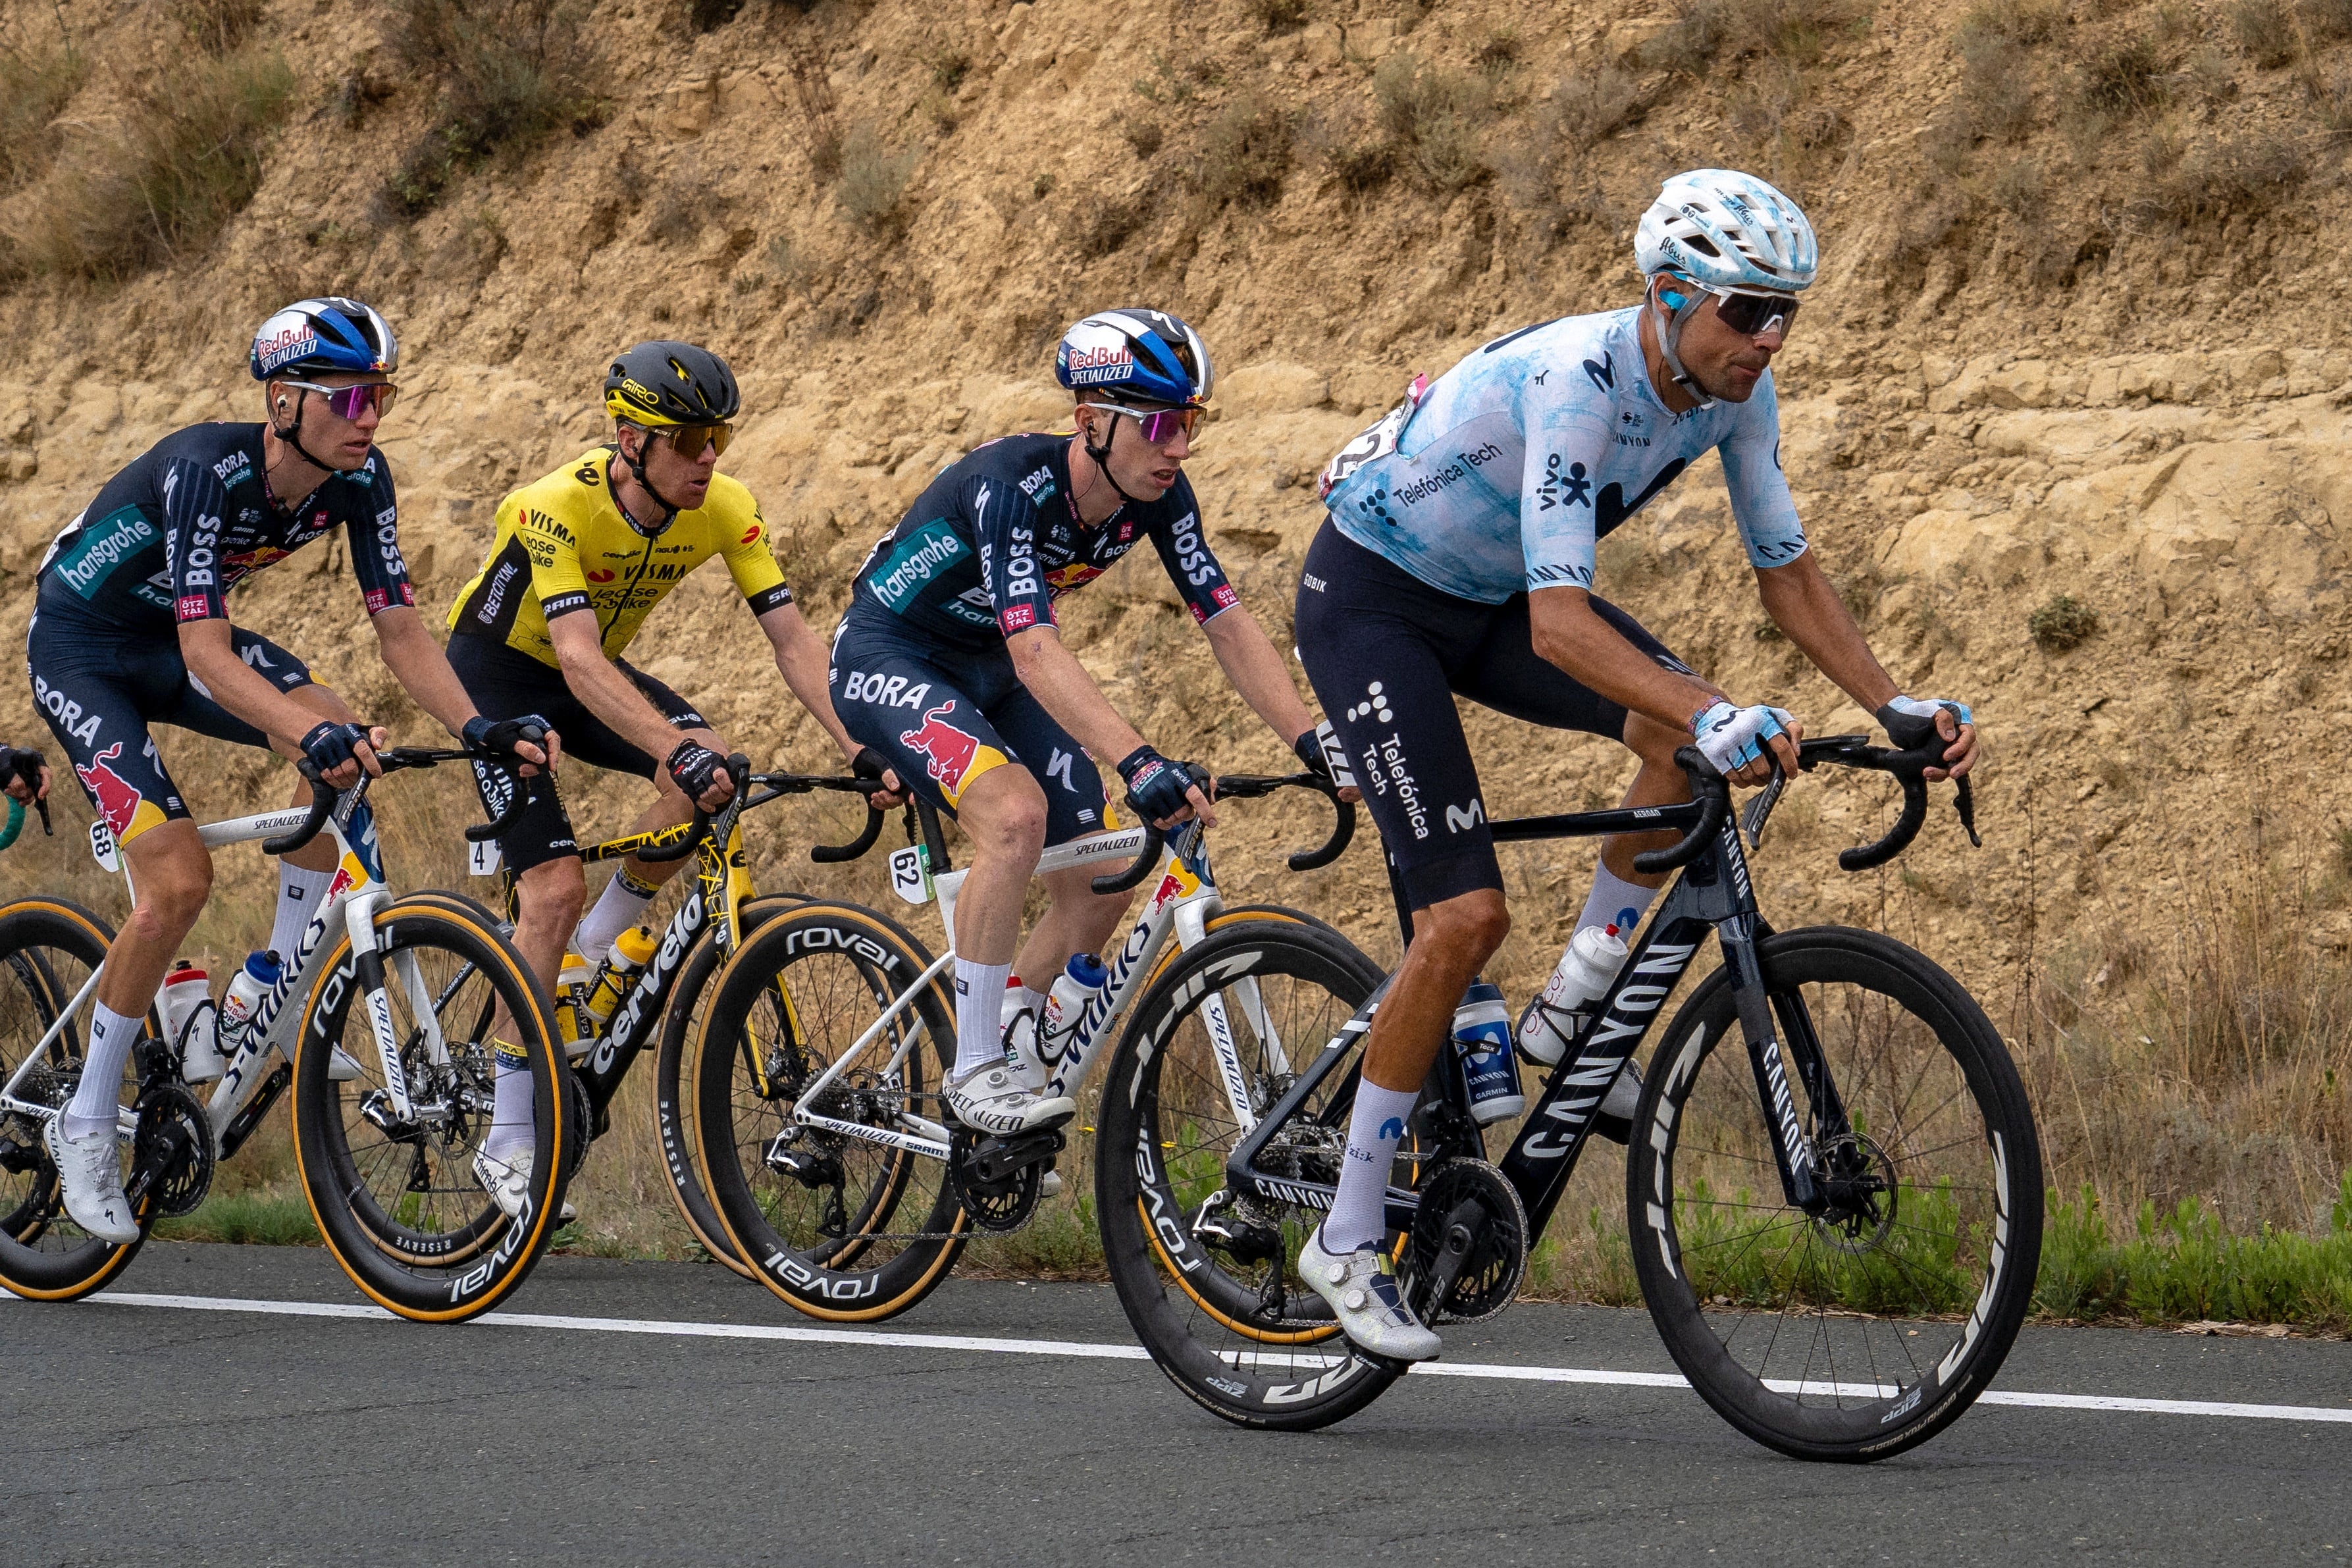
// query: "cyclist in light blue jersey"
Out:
[1458,561]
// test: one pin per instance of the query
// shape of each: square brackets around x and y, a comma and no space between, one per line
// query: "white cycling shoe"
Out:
[507,1181]
[1362,1291]
[89,1173]
[992,1100]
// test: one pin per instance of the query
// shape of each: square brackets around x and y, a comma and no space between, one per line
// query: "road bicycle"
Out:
[836,1166]
[387,984]
[719,909]
[1835,1218]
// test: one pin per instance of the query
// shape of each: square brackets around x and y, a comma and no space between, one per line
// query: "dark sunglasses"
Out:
[346,402]
[1160,425]
[1753,315]
[687,440]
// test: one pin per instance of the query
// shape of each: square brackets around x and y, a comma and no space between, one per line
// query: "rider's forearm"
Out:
[1804,603]
[1055,677]
[1567,634]
[613,697]
[1257,673]
[423,670]
[801,659]
[212,660]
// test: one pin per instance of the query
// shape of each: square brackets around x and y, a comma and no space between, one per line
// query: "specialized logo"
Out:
[952,757]
[128,813]
[1374,703]
[286,345]
[1098,366]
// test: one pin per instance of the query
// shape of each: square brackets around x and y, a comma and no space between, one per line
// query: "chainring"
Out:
[1490,1279]
[179,1182]
[995,1206]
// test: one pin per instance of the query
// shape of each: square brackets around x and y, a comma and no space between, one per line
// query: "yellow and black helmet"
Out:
[662,383]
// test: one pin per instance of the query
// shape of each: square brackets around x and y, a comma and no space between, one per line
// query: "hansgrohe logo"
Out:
[916,563]
[107,544]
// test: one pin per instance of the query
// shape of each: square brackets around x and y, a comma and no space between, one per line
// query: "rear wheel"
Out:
[394,1193]
[1210,1282]
[48,951]
[1863,1326]
[845,1228]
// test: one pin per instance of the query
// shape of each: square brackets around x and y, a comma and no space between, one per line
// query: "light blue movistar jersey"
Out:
[1515,463]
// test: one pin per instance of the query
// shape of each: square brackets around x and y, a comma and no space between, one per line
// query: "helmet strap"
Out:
[292,435]
[1101,454]
[1670,338]
[638,471]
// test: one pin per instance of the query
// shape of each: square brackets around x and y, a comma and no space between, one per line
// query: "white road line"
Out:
[795,1334]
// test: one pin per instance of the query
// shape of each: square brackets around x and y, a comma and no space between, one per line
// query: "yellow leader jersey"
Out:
[563,546]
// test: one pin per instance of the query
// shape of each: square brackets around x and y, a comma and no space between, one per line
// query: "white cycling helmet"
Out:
[1724,229]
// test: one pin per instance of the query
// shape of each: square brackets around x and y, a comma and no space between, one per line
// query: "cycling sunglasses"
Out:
[346,402]
[1160,425]
[1753,315]
[687,440]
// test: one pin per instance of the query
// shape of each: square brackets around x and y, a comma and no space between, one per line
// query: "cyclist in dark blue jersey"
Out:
[949,663]
[131,627]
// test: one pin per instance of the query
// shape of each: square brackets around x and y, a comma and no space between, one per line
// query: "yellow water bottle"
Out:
[630,952]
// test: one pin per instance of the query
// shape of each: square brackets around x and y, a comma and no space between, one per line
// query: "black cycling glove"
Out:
[1155,787]
[869,763]
[1319,749]
[499,740]
[693,767]
[329,745]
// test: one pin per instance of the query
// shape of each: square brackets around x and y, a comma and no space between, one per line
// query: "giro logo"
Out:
[1375,703]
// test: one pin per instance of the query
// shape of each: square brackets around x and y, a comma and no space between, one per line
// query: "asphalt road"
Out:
[147,1433]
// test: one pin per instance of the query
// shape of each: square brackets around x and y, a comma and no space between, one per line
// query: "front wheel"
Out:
[392,1187]
[1863,1323]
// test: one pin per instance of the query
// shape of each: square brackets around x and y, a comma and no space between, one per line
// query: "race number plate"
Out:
[101,846]
[907,879]
[483,859]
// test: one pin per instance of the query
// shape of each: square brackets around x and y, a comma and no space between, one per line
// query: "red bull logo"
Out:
[950,756]
[126,811]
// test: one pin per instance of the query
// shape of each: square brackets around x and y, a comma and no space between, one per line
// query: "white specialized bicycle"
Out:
[388,1056]
[822,1132]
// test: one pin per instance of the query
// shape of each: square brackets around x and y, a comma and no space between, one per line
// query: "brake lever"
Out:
[1965,804]
[1760,810]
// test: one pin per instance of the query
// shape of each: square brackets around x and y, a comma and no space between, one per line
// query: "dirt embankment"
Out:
[2017,381]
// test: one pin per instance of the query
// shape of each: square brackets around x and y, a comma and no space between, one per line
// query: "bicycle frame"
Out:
[356,896]
[1184,898]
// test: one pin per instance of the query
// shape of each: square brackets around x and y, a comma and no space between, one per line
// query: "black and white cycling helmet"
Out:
[1149,355]
[328,333]
[662,383]
[1724,229]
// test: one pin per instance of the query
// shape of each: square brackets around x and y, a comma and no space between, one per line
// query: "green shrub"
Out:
[2062,623]
[184,159]
[1437,118]
[509,72]
[1244,152]
[872,186]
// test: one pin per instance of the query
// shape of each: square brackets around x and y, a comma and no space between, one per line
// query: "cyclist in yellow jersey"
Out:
[578,560]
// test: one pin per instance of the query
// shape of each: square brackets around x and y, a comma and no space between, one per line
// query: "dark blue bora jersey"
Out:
[187,520]
[995,539]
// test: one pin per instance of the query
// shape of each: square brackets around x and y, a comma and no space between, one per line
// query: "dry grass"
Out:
[2265,32]
[38,74]
[1707,33]
[2020,21]
[218,26]
[510,73]
[2208,182]
[1435,119]
[2124,75]
[872,184]
[184,158]
[1244,152]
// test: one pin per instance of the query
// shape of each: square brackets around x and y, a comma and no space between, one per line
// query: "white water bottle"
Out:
[1482,1036]
[247,987]
[191,1023]
[1073,989]
[1591,960]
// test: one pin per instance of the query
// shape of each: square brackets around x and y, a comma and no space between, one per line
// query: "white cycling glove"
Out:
[1731,738]
[1910,721]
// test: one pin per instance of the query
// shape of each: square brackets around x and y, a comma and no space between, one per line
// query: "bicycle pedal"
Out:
[1001,1159]
[19,1158]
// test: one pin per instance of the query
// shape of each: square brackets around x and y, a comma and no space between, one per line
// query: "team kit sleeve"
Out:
[1004,532]
[1566,443]
[555,572]
[1183,546]
[375,533]
[194,502]
[749,560]
[1761,506]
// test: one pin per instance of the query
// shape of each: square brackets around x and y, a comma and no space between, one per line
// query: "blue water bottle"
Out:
[1482,1034]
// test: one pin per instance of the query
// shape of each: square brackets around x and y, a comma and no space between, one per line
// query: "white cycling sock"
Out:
[1018,996]
[1615,902]
[510,1128]
[622,901]
[299,893]
[1358,1217]
[94,1103]
[980,1016]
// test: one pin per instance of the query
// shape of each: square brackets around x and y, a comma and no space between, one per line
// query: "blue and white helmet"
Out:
[1724,229]
[330,333]
[1146,355]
